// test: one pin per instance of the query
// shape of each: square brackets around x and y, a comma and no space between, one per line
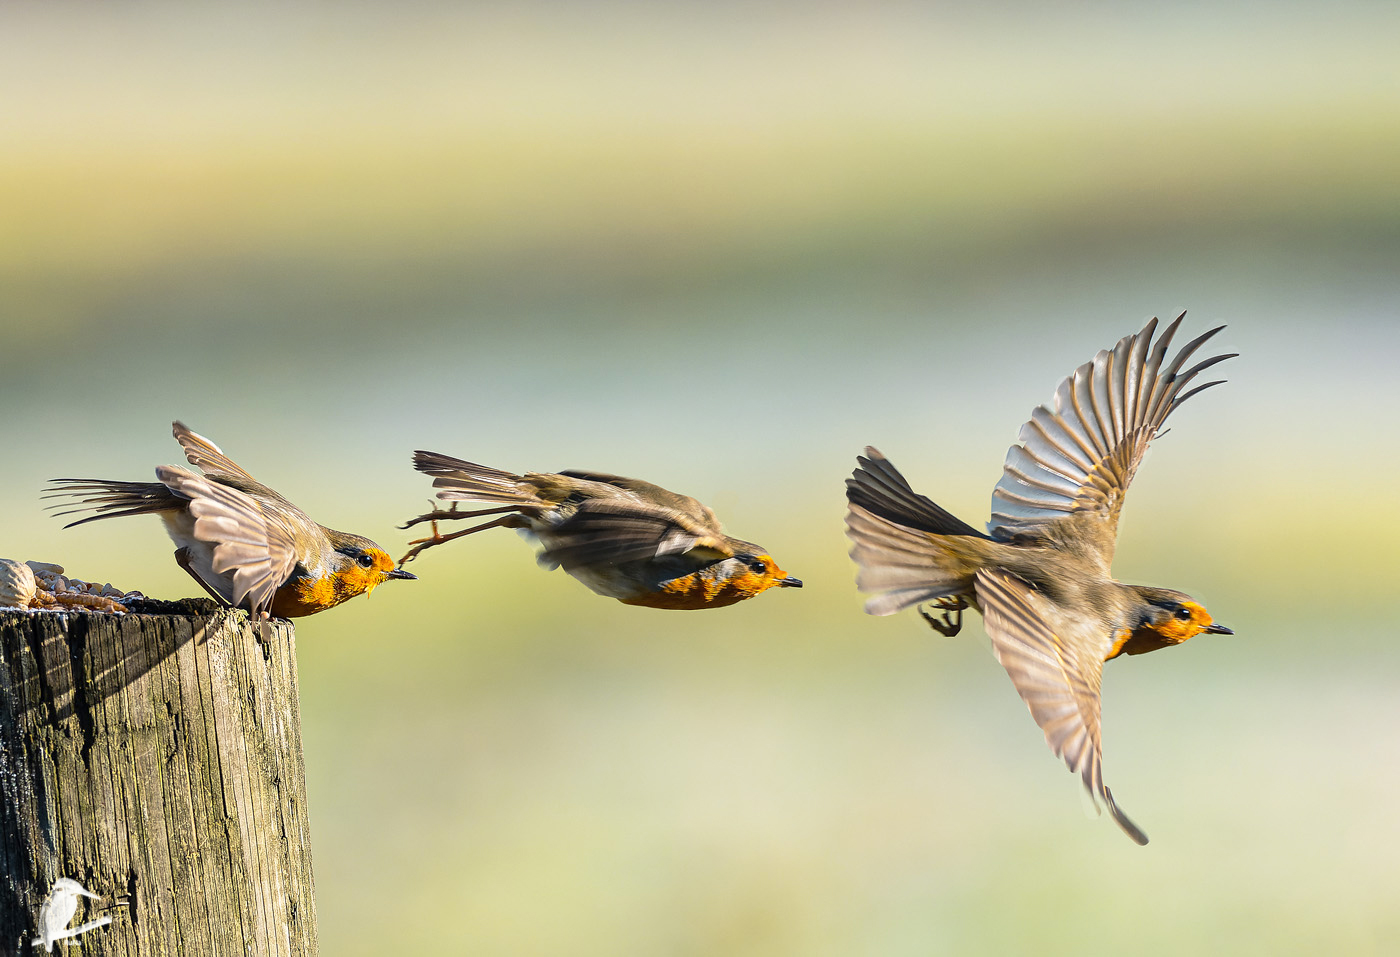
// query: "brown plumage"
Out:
[622,537]
[246,545]
[1040,576]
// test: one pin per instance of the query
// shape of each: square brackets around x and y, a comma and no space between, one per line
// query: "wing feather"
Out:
[1081,455]
[205,455]
[251,546]
[610,531]
[1058,681]
[697,511]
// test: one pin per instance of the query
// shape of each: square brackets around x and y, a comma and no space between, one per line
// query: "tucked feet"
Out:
[950,622]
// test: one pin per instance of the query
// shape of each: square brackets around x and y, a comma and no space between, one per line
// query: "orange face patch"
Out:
[1176,630]
[302,597]
[357,580]
[1173,631]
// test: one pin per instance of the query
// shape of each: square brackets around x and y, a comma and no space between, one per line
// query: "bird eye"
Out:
[366,560]
[1184,614]
[757,566]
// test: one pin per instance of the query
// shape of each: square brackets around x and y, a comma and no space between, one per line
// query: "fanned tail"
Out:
[108,498]
[897,539]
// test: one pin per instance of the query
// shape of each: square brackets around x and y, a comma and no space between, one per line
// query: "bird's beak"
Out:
[1218,630]
[400,573]
[790,582]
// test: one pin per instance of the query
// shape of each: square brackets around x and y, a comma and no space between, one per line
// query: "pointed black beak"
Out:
[790,582]
[400,573]
[1218,630]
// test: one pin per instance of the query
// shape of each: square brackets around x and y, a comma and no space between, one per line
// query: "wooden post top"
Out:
[155,759]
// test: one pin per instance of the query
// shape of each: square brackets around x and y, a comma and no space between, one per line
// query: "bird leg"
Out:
[437,538]
[182,558]
[446,514]
[951,621]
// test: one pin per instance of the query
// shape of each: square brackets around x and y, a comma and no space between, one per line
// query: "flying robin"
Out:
[1040,576]
[247,546]
[623,538]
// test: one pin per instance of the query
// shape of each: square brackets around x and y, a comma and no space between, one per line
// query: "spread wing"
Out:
[608,531]
[1078,458]
[253,547]
[1058,680]
[205,455]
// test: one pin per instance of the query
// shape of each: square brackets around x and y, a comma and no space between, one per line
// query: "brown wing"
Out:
[656,495]
[1079,457]
[1058,681]
[205,455]
[606,531]
[255,548]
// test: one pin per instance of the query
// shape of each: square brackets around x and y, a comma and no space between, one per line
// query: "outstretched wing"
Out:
[252,547]
[205,455]
[1057,678]
[610,532]
[1078,458]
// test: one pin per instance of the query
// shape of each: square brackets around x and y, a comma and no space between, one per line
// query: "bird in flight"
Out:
[1040,575]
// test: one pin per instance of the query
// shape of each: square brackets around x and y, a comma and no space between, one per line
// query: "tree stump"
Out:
[156,760]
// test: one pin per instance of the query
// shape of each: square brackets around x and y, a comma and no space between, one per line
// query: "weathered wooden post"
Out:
[156,760]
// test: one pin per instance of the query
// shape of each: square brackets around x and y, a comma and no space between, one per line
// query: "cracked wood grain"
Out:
[157,760]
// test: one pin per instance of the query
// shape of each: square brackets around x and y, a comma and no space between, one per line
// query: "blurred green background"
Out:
[723,248]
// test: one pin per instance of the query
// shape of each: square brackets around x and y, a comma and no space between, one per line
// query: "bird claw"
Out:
[421,543]
[433,516]
[950,623]
[437,538]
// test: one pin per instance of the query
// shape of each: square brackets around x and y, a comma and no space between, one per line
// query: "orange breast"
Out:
[1120,642]
[1142,641]
[697,591]
[300,597]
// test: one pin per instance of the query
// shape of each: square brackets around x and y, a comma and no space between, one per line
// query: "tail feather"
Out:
[463,481]
[901,539]
[904,564]
[109,498]
[877,486]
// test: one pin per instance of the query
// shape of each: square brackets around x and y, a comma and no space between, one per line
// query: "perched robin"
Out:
[623,538]
[1040,577]
[246,545]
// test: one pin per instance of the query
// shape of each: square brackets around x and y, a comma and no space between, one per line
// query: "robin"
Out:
[247,546]
[622,537]
[1040,576]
